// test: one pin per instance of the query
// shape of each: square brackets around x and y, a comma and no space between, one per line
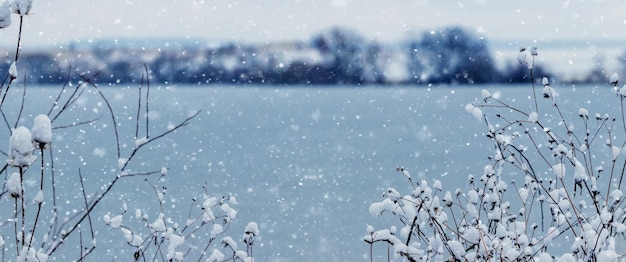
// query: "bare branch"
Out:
[181,124]
[138,110]
[58,98]
[147,101]
[78,123]
[82,189]
[106,101]
[19,114]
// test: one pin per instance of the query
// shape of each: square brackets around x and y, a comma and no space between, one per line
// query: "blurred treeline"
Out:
[451,55]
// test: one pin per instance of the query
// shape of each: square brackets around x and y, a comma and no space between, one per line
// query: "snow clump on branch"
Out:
[14,185]
[5,14]
[20,148]
[252,230]
[13,70]
[42,131]
[22,7]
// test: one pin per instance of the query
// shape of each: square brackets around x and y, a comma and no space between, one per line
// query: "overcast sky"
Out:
[61,21]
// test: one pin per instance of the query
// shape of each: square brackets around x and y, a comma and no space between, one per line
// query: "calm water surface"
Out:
[304,163]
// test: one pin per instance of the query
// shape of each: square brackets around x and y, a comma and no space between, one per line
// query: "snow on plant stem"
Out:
[559,170]
[614,79]
[216,230]
[38,198]
[22,7]
[216,256]
[485,93]
[14,186]
[20,148]
[252,230]
[229,242]
[140,141]
[615,152]
[42,131]
[622,91]
[175,241]
[5,14]
[532,117]
[13,70]
[475,111]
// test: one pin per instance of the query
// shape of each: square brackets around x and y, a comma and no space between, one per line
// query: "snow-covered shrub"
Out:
[191,239]
[552,188]
[56,223]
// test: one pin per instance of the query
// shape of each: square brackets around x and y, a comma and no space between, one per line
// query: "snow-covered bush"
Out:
[60,229]
[551,190]
[208,219]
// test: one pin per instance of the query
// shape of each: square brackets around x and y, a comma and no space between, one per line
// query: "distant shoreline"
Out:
[337,57]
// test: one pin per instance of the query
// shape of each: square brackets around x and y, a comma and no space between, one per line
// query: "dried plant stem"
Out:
[17,236]
[23,205]
[19,39]
[19,114]
[82,189]
[138,110]
[55,210]
[40,203]
[78,91]
[106,101]
[17,55]
[58,98]
[147,100]
[622,109]
[532,81]
[6,121]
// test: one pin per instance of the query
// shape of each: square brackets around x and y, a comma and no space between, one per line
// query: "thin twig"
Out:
[106,101]
[82,189]
[70,100]
[17,238]
[532,81]
[19,114]
[6,121]
[39,203]
[138,110]
[17,55]
[78,123]
[181,124]
[19,38]
[58,98]
[55,210]
[147,100]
